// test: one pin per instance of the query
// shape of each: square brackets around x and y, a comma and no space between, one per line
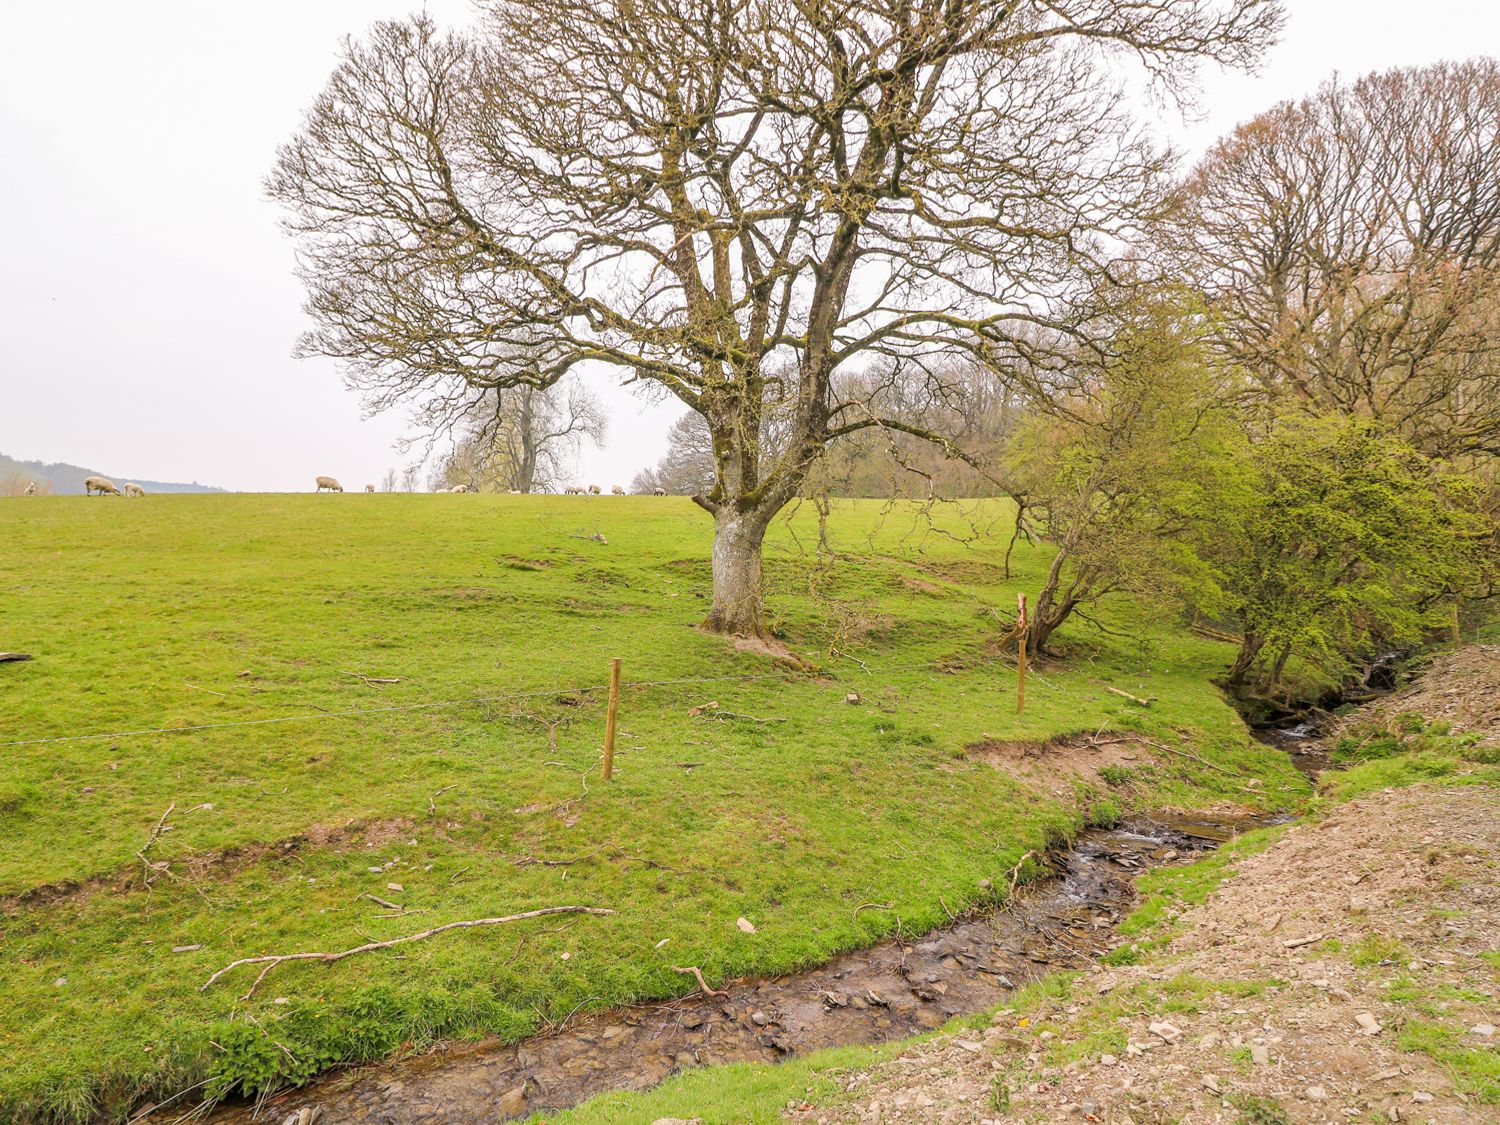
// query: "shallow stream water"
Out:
[891,990]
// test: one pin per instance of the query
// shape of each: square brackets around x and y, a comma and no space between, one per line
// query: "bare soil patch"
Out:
[1055,765]
[1295,993]
[1461,688]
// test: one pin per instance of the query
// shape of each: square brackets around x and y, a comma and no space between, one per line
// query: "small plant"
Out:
[1116,776]
[1256,1110]
[999,1096]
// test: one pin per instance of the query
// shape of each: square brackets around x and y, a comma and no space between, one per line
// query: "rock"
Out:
[759,1019]
[1108,1060]
[1046,1036]
[1316,1094]
[1421,1096]
[513,1102]
[745,926]
[1393,1112]
[968,1045]
[1368,1024]
[1260,1056]
[1089,1110]
[1485,1029]
[186,948]
[1165,1031]
[1211,1084]
[394,887]
[852,697]
[678,1121]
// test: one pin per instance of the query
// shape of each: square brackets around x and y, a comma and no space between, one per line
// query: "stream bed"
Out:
[895,989]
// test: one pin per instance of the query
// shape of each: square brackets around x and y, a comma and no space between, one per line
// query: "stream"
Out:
[895,989]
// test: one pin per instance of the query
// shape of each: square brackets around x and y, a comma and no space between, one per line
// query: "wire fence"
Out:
[431,705]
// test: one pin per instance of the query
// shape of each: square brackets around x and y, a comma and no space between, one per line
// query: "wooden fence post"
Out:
[1021,630]
[609,722]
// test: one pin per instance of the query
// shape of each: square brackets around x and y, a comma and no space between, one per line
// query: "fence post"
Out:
[609,722]
[1021,632]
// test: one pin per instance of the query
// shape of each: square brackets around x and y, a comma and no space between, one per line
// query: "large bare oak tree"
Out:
[738,200]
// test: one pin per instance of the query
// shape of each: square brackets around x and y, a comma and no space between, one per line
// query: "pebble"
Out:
[1260,1056]
[745,925]
[1368,1024]
[513,1102]
[1211,1083]
[1316,1094]
[759,1019]
[967,1045]
[1485,1029]
[1165,1031]
[1421,1096]
[1108,1060]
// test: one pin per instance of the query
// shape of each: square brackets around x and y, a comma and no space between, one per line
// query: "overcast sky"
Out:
[147,305]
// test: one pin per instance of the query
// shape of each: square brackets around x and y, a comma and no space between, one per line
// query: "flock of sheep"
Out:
[104,486]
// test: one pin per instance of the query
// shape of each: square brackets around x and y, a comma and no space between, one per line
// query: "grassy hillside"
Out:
[208,611]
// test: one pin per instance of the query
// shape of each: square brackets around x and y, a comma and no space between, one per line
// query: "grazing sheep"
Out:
[617,491]
[100,485]
[594,490]
[659,490]
[573,490]
[514,492]
[460,488]
[30,489]
[134,490]
[444,491]
[330,484]
[369,488]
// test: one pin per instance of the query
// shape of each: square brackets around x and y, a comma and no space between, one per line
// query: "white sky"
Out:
[147,304]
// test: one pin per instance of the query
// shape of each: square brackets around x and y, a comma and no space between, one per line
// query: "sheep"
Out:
[134,490]
[659,490]
[100,485]
[330,484]
[617,491]
[369,488]
[573,490]
[30,489]
[460,488]
[594,490]
[444,491]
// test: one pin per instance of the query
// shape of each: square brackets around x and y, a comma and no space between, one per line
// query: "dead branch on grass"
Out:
[373,679]
[150,870]
[1015,872]
[270,961]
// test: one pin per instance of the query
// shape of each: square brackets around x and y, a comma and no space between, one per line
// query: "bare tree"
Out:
[1351,246]
[524,439]
[734,199]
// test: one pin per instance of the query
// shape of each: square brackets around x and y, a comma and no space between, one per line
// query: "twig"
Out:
[161,826]
[1127,695]
[848,656]
[373,679]
[431,801]
[1015,872]
[737,715]
[210,691]
[1192,757]
[597,537]
[272,960]
[873,906]
[378,901]
[703,984]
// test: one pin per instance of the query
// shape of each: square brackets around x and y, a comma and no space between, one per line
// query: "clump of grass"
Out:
[1257,1110]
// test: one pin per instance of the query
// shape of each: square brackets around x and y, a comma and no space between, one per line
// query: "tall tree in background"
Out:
[1350,244]
[734,199]
[524,439]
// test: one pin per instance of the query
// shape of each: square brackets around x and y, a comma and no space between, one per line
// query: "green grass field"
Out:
[189,611]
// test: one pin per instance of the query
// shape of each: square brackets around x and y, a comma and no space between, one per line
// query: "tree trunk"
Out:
[739,596]
[1244,660]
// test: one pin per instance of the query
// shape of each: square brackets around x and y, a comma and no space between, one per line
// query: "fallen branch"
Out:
[737,715]
[432,800]
[272,960]
[1191,757]
[210,691]
[703,984]
[373,679]
[872,906]
[1132,698]
[378,901]
[7,657]
[148,867]
[597,537]
[1015,872]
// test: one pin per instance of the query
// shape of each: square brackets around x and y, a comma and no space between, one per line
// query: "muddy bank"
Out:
[890,991]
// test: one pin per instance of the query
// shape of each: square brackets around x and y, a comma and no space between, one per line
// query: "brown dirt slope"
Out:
[1402,894]
[1461,688]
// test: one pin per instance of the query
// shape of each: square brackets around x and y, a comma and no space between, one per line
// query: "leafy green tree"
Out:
[1340,541]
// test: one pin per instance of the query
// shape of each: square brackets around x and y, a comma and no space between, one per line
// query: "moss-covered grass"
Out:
[186,611]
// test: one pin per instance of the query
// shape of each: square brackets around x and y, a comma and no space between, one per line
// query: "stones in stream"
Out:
[888,991]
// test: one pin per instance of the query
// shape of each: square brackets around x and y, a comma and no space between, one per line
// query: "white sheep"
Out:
[573,490]
[101,485]
[369,488]
[134,490]
[594,490]
[330,484]
[30,489]
[617,491]
[659,490]
[460,488]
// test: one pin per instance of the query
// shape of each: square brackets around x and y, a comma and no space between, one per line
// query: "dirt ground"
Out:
[1231,1010]
[1461,688]
[1347,973]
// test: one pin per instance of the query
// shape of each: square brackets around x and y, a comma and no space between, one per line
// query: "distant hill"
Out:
[68,479]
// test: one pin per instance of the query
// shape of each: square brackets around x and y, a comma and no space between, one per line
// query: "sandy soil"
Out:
[1461,688]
